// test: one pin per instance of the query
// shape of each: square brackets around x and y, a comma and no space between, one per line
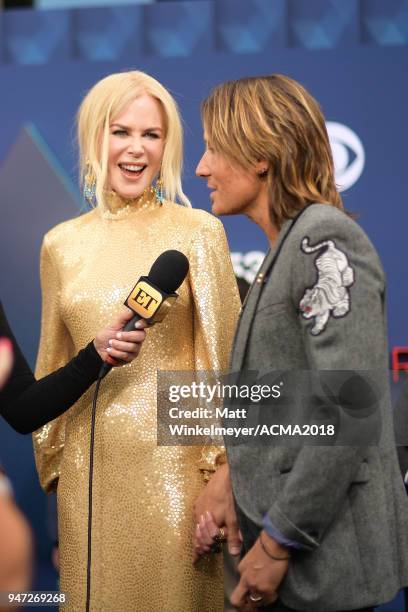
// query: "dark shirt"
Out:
[27,404]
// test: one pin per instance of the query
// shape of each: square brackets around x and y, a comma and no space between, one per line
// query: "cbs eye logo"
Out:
[348,154]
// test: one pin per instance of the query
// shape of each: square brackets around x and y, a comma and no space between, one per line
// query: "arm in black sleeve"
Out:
[27,404]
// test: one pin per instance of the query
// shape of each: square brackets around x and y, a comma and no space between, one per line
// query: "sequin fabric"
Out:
[143,494]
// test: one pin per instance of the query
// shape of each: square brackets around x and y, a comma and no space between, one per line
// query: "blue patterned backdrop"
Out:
[351,54]
[183,29]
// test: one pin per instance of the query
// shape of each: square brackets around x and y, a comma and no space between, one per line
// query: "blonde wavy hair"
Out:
[105,101]
[274,118]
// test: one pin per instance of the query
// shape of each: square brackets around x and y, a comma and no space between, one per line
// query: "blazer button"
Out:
[259,278]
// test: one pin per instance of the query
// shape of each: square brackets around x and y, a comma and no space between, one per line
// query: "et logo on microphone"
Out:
[144,300]
[149,302]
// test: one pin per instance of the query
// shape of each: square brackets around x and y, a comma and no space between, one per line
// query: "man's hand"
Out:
[213,509]
[261,576]
[116,347]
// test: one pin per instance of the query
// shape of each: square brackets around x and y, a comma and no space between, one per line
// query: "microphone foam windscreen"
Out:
[169,270]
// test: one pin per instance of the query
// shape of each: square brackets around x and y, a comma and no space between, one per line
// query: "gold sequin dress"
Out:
[143,493]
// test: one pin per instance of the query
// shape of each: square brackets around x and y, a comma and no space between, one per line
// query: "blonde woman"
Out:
[130,140]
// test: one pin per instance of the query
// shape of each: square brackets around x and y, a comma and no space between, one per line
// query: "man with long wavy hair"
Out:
[324,523]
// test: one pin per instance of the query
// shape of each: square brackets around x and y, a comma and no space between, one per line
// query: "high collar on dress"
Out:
[116,207]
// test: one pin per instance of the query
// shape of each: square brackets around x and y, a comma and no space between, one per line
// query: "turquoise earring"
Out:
[89,191]
[159,190]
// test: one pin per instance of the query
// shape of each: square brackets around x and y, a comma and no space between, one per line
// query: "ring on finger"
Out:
[220,537]
[255,597]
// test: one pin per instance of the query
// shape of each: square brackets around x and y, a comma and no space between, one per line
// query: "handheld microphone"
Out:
[154,295]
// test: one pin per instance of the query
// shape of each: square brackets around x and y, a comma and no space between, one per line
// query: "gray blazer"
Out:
[319,305]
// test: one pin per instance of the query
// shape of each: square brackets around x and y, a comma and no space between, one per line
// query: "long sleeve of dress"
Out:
[55,350]
[217,306]
[27,404]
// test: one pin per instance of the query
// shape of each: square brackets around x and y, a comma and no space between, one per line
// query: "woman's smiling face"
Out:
[136,146]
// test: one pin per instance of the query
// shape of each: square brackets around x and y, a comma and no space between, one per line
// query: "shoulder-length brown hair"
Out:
[274,118]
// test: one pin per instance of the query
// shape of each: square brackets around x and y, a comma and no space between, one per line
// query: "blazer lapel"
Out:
[252,299]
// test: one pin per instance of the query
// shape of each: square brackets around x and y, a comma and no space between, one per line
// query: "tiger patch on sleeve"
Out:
[330,295]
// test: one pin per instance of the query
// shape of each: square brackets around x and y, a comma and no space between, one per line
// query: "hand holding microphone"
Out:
[150,300]
[117,347]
